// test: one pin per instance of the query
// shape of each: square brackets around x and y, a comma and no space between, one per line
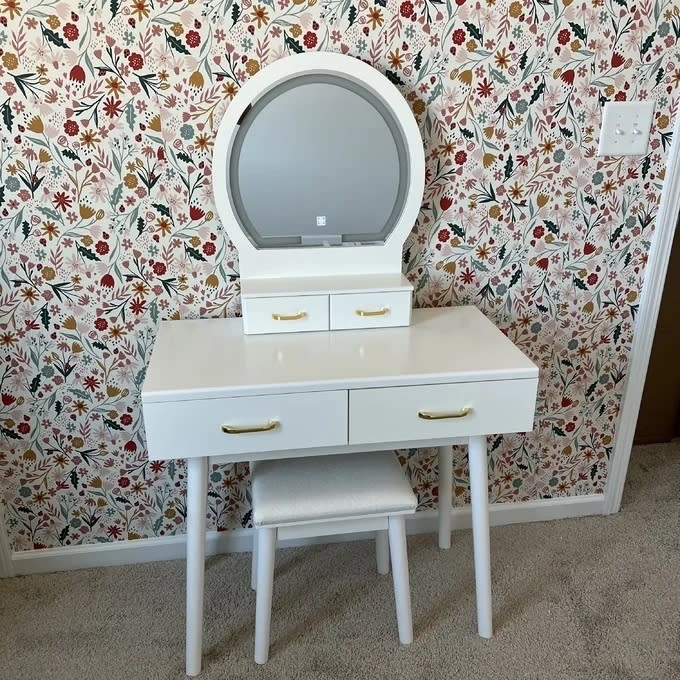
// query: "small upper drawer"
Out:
[213,427]
[420,412]
[285,314]
[373,309]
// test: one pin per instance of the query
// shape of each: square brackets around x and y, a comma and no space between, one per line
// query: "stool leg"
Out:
[402,591]
[253,563]
[266,548]
[382,552]
[445,495]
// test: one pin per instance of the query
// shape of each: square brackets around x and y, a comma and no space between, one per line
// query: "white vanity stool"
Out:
[325,495]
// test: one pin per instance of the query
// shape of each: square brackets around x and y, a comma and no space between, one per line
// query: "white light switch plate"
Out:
[625,128]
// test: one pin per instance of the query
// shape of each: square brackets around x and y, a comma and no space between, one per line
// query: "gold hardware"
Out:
[232,429]
[289,317]
[377,312]
[428,415]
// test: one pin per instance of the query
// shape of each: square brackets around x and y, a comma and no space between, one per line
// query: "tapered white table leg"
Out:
[197,498]
[445,495]
[479,495]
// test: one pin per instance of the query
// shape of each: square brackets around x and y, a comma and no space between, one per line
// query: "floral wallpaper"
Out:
[108,112]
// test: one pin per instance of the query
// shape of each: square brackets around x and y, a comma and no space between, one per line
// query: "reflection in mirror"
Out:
[318,161]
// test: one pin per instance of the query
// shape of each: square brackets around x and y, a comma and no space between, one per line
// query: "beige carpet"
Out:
[589,598]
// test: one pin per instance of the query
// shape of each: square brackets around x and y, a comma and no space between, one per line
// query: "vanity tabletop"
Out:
[212,358]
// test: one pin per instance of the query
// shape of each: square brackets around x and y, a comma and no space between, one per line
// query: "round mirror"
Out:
[318,160]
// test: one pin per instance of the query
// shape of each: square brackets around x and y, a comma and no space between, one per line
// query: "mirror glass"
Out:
[318,161]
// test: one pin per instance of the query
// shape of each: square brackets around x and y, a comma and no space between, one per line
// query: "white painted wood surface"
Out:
[319,261]
[212,358]
[330,303]
[324,285]
[266,555]
[269,272]
[382,552]
[301,313]
[402,590]
[445,497]
[444,349]
[495,406]
[197,502]
[181,429]
[350,494]
[333,527]
[366,448]
[370,310]
[479,492]
[253,564]
[645,325]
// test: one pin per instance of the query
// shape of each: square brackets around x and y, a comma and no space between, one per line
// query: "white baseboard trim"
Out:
[240,540]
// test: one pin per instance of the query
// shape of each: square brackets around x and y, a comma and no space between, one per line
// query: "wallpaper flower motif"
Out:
[108,113]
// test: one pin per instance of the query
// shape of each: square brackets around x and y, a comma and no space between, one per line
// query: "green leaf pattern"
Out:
[108,118]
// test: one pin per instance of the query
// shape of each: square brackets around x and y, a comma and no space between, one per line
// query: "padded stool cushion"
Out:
[329,487]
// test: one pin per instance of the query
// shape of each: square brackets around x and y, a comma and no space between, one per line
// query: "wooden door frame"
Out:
[645,326]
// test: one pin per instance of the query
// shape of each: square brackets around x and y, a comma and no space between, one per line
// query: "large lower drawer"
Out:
[245,424]
[394,414]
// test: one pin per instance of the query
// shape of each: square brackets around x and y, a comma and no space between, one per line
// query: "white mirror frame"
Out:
[319,261]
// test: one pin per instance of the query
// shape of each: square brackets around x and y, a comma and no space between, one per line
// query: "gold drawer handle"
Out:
[232,429]
[289,317]
[444,415]
[376,312]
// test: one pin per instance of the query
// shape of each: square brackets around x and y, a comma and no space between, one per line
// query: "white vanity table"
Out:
[318,177]
[215,395]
